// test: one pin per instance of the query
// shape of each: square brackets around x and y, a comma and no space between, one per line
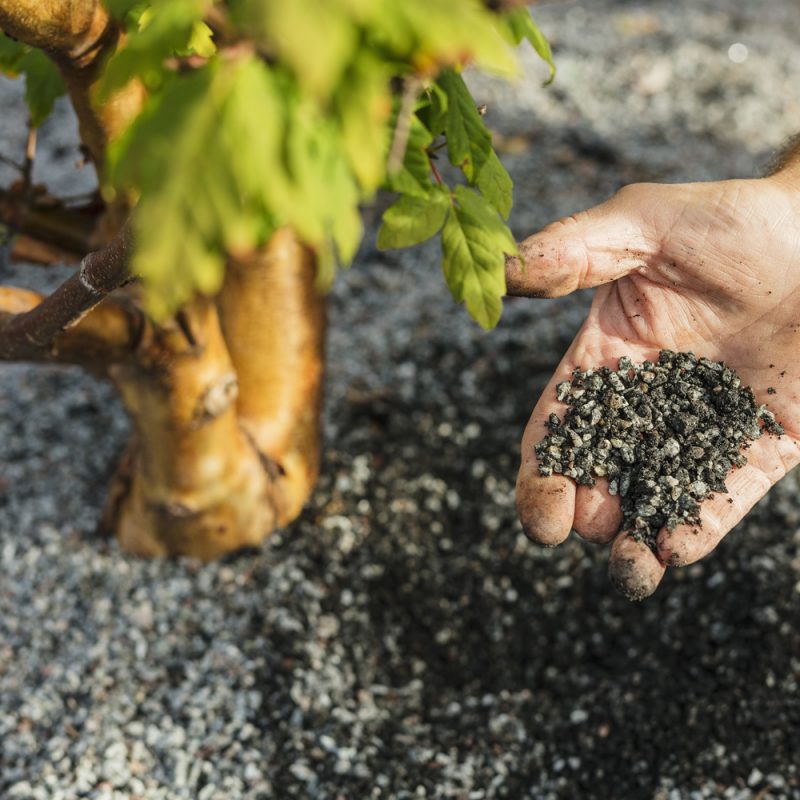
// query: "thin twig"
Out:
[28,335]
[11,163]
[62,228]
[30,157]
[79,199]
[437,176]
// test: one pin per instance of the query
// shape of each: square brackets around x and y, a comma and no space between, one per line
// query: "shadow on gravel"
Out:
[478,644]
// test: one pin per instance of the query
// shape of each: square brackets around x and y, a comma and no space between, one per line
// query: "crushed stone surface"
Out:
[403,639]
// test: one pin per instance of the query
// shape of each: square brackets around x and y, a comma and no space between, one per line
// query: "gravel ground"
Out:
[403,639]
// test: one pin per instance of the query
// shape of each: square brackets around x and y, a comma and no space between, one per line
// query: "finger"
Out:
[587,249]
[768,461]
[545,505]
[633,567]
[548,506]
[598,515]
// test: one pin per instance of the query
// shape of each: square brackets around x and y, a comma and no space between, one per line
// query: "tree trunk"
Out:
[225,399]
[226,407]
[273,319]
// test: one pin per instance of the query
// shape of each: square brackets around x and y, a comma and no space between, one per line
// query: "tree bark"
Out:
[192,482]
[29,334]
[106,335]
[78,35]
[273,318]
[226,406]
[65,29]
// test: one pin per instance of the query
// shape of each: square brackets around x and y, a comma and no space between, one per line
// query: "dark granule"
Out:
[771,390]
[664,434]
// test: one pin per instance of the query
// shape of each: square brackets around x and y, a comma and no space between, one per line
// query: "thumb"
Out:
[586,249]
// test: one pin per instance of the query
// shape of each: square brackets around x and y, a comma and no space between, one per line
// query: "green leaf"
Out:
[166,28]
[293,129]
[315,38]
[522,26]
[197,156]
[433,112]
[221,157]
[468,140]
[11,53]
[412,220]
[414,176]
[474,241]
[177,215]
[363,105]
[43,85]
[346,227]
[201,42]
[311,186]
[435,33]
[496,185]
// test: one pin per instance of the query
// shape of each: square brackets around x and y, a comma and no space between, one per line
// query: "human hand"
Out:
[711,268]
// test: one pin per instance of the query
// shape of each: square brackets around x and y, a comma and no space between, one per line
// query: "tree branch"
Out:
[32,335]
[108,334]
[70,30]
[63,234]
[35,251]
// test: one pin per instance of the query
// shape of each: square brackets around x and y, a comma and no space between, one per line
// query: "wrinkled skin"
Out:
[711,268]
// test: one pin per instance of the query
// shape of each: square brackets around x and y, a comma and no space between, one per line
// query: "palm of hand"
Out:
[710,268]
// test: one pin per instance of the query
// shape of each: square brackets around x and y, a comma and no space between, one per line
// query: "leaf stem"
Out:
[30,157]
[435,172]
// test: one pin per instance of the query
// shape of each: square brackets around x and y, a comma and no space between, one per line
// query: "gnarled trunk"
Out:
[225,398]
[226,407]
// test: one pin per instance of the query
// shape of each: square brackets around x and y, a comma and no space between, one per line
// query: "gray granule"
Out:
[664,434]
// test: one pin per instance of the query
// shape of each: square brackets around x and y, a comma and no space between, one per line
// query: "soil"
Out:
[404,639]
[664,435]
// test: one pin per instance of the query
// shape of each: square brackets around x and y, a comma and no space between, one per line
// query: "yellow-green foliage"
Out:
[294,112]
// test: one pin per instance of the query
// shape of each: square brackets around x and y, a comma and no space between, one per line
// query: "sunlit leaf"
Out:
[315,38]
[293,122]
[43,83]
[474,241]
[469,143]
[522,26]
[414,175]
[363,104]
[495,184]
[191,155]
[166,28]
[437,33]
[412,220]
[11,53]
